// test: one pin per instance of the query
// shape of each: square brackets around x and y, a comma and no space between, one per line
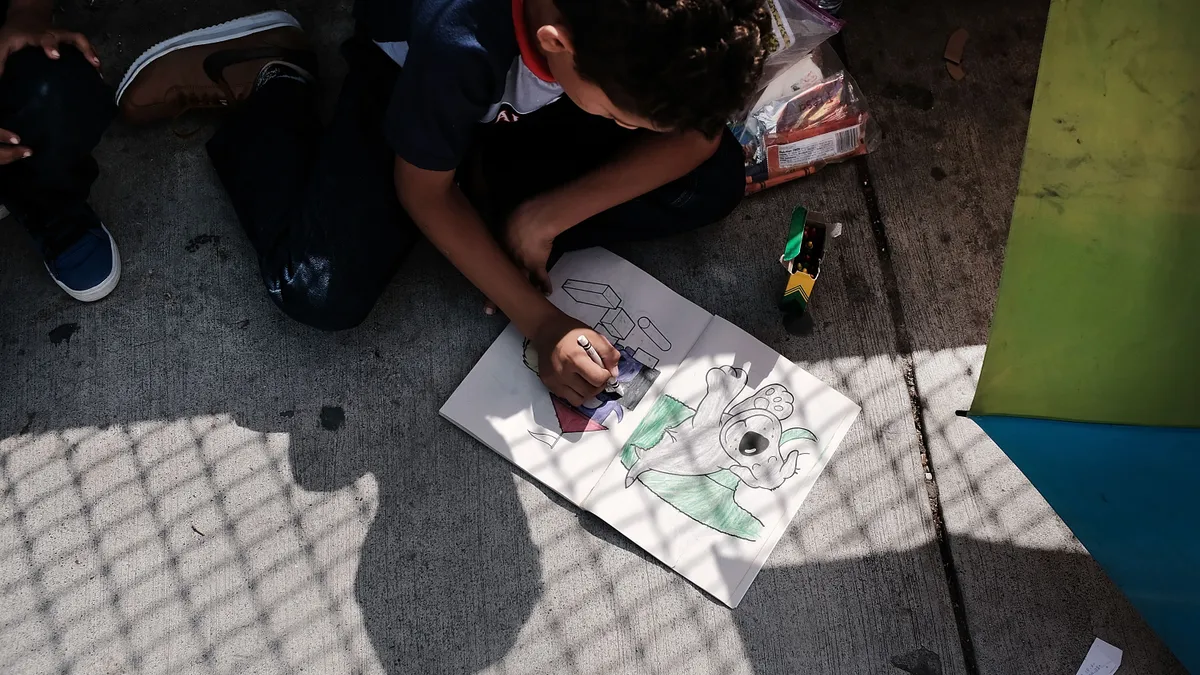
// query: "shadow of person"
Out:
[216,417]
[447,573]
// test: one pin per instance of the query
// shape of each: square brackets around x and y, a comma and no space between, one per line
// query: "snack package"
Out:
[810,114]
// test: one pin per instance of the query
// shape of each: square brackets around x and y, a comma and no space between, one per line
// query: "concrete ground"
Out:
[193,484]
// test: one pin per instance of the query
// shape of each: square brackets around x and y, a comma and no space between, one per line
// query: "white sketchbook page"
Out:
[653,322]
[504,405]
[721,564]
[496,404]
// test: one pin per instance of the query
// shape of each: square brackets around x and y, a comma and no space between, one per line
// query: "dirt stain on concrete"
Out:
[332,417]
[63,333]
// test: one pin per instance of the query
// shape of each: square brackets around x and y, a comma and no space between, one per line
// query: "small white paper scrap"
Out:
[1102,659]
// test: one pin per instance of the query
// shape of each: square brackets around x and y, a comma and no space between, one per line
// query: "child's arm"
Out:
[653,162]
[443,214]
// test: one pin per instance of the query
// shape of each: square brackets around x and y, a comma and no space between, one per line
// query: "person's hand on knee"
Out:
[28,24]
[529,236]
[11,149]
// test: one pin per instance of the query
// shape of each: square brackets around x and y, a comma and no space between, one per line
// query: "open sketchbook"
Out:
[702,452]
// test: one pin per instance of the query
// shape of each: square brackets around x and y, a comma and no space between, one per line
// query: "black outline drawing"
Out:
[747,438]
[645,358]
[592,293]
[541,436]
[654,333]
[616,325]
[599,328]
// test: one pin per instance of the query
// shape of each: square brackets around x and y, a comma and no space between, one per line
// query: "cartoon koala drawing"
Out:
[747,438]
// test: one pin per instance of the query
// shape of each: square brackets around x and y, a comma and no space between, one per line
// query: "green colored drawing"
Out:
[708,454]
[706,499]
[796,434]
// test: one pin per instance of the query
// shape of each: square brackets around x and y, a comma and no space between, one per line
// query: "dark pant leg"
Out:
[561,142]
[59,109]
[319,206]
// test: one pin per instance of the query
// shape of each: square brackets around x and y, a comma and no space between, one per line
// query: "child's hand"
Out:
[32,29]
[565,367]
[529,236]
[10,150]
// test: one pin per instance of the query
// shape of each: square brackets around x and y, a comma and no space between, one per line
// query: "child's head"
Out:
[658,64]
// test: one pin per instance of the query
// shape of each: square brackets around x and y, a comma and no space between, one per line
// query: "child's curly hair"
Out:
[682,64]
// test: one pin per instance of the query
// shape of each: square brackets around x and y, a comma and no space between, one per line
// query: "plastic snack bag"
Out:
[797,28]
[809,114]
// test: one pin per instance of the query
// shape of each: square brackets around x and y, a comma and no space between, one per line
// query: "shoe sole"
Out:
[230,30]
[104,287]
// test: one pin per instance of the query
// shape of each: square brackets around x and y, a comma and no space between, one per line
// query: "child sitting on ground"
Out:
[572,122]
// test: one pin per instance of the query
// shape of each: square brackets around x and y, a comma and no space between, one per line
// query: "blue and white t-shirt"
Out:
[462,65]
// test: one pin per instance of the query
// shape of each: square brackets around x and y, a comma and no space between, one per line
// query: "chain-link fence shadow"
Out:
[193,484]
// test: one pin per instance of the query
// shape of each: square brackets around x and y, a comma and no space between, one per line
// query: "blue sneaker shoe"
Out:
[90,268]
[81,256]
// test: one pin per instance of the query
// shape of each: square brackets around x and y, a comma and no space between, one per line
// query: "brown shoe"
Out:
[211,67]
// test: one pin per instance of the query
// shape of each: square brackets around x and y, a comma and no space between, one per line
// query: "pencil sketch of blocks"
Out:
[612,339]
[645,358]
[592,293]
[654,334]
[616,323]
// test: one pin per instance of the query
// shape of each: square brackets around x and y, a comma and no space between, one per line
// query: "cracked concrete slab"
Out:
[946,177]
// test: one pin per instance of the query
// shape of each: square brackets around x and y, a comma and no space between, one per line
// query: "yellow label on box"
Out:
[800,282]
